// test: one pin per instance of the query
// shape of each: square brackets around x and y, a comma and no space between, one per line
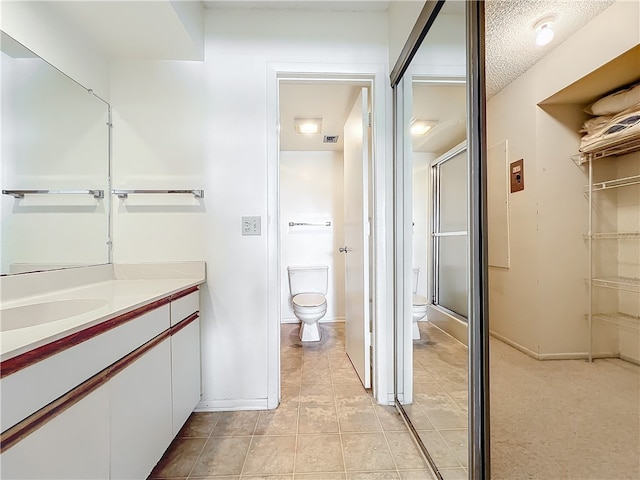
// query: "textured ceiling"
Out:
[510,38]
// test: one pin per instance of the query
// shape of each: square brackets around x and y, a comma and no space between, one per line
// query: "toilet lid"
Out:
[309,300]
[419,300]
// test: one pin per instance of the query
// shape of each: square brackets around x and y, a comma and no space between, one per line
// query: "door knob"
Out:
[343,249]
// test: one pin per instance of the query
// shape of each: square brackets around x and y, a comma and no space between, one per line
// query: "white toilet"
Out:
[308,287]
[419,307]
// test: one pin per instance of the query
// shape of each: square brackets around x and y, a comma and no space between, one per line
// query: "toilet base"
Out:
[416,331]
[309,332]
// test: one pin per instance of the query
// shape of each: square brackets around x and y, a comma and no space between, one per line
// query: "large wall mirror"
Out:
[54,168]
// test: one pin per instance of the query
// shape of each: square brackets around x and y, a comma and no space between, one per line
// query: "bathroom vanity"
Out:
[102,373]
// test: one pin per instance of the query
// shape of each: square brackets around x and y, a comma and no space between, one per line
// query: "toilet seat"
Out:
[419,300]
[309,300]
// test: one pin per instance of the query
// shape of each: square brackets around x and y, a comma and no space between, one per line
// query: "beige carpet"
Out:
[565,419]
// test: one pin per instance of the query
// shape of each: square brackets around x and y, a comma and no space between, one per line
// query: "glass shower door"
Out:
[450,247]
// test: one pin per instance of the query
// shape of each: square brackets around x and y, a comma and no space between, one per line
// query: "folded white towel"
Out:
[595,123]
[616,130]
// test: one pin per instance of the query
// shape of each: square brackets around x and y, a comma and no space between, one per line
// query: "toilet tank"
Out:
[308,279]
[416,272]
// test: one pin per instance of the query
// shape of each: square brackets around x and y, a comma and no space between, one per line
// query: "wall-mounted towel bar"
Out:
[22,193]
[126,193]
[300,224]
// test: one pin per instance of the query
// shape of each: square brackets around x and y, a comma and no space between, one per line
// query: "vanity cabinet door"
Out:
[72,445]
[185,368]
[141,413]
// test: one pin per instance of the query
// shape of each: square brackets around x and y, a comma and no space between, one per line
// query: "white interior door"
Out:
[356,233]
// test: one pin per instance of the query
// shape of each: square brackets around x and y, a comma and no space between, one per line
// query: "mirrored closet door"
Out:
[433,227]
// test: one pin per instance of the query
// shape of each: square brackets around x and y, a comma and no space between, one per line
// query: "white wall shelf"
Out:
[618,283]
[621,146]
[620,319]
[612,235]
[615,183]
[600,279]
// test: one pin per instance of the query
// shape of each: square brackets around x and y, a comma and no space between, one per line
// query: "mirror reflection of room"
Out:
[434,383]
[55,166]
[440,273]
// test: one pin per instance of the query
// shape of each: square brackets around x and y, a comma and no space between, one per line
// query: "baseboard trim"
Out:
[629,359]
[515,345]
[232,405]
[564,356]
[552,356]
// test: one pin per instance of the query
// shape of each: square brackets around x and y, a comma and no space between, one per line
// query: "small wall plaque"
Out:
[516,170]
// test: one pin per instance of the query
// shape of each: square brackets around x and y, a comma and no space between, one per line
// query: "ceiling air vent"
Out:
[330,139]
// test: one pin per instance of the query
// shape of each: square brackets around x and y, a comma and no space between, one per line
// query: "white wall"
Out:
[312,191]
[239,50]
[402,17]
[40,28]
[539,303]
[628,252]
[158,143]
[443,51]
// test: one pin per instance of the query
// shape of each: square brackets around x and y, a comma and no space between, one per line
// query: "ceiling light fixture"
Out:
[421,127]
[308,125]
[544,29]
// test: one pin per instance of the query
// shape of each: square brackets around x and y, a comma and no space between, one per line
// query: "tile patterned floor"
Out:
[439,409]
[327,427]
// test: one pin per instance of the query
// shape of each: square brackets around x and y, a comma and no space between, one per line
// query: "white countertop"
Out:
[120,296]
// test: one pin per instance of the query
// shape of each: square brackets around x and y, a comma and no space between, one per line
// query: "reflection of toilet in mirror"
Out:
[419,307]
[308,288]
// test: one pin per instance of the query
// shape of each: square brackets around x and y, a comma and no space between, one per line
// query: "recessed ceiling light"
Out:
[308,125]
[421,127]
[544,29]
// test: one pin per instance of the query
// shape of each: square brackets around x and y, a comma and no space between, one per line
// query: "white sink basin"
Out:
[45,312]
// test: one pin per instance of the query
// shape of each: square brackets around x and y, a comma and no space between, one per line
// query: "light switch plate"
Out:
[251,226]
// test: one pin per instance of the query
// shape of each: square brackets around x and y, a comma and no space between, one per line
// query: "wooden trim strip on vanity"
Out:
[19,431]
[38,354]
[184,293]
[183,323]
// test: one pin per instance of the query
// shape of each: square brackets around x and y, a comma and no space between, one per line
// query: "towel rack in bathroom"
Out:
[126,193]
[22,193]
[300,224]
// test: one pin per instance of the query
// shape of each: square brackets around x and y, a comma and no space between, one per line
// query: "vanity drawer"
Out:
[27,390]
[182,307]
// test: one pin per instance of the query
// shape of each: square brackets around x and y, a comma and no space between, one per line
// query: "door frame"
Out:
[380,188]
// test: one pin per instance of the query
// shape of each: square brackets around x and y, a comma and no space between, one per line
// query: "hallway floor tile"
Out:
[327,427]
